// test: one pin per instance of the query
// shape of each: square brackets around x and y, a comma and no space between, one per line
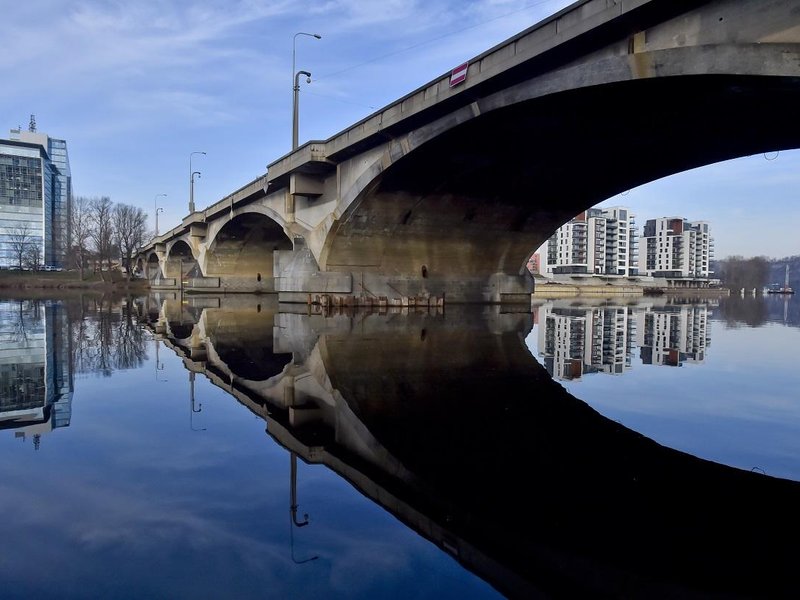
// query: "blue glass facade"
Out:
[35,369]
[35,199]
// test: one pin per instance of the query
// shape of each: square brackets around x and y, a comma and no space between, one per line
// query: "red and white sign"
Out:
[459,74]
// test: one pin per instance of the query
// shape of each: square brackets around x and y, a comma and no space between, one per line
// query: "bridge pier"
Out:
[299,280]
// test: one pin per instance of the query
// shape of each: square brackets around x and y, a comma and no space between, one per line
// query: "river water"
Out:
[209,447]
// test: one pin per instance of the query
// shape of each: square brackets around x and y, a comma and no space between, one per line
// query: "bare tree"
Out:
[33,257]
[80,224]
[102,230]
[738,272]
[19,240]
[130,232]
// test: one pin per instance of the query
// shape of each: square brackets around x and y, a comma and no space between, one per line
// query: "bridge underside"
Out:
[479,199]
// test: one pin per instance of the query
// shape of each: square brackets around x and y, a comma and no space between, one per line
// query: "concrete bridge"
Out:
[449,423]
[446,192]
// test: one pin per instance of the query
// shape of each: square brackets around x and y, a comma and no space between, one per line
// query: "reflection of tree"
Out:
[27,312]
[736,310]
[130,344]
[106,336]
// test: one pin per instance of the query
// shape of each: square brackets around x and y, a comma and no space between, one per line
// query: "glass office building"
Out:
[35,199]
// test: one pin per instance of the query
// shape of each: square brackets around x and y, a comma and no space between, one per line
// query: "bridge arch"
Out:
[479,191]
[140,266]
[153,267]
[180,261]
[244,246]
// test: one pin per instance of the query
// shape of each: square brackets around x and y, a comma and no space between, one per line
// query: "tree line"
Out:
[737,272]
[102,232]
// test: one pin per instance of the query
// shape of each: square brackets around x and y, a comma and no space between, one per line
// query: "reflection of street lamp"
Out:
[293,492]
[155,205]
[296,84]
[191,403]
[191,181]
[293,510]
[159,364]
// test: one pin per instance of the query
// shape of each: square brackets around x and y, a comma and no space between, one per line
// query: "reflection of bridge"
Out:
[450,189]
[450,424]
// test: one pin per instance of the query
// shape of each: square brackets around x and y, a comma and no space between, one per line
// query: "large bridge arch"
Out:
[495,182]
[244,246]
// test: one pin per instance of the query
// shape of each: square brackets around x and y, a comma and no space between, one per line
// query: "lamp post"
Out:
[191,191]
[155,205]
[295,124]
[158,210]
[296,84]
[191,181]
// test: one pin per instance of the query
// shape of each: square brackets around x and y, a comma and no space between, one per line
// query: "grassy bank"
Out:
[65,280]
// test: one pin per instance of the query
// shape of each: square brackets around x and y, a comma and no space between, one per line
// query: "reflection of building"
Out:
[676,249]
[35,197]
[576,341]
[672,335]
[35,376]
[599,241]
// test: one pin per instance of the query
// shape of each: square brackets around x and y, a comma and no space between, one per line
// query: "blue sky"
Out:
[135,87]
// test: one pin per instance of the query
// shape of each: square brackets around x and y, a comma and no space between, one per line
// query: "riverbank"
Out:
[552,291]
[69,280]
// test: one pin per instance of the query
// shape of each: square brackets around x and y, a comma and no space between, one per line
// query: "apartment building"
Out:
[676,249]
[599,241]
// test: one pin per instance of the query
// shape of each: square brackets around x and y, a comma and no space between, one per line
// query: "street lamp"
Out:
[296,83]
[158,210]
[191,181]
[295,125]
[191,191]
[155,205]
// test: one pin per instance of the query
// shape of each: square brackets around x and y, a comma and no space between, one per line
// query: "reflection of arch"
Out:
[245,245]
[253,362]
[479,197]
[180,261]
[180,319]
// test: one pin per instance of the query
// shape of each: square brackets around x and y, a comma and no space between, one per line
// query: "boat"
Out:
[776,288]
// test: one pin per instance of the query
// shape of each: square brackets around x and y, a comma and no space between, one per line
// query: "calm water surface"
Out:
[228,447]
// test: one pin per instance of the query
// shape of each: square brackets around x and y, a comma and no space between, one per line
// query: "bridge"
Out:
[468,441]
[446,192]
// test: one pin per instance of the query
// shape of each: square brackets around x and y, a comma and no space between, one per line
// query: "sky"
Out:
[137,87]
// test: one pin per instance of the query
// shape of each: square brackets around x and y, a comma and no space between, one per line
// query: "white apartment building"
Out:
[599,241]
[675,248]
